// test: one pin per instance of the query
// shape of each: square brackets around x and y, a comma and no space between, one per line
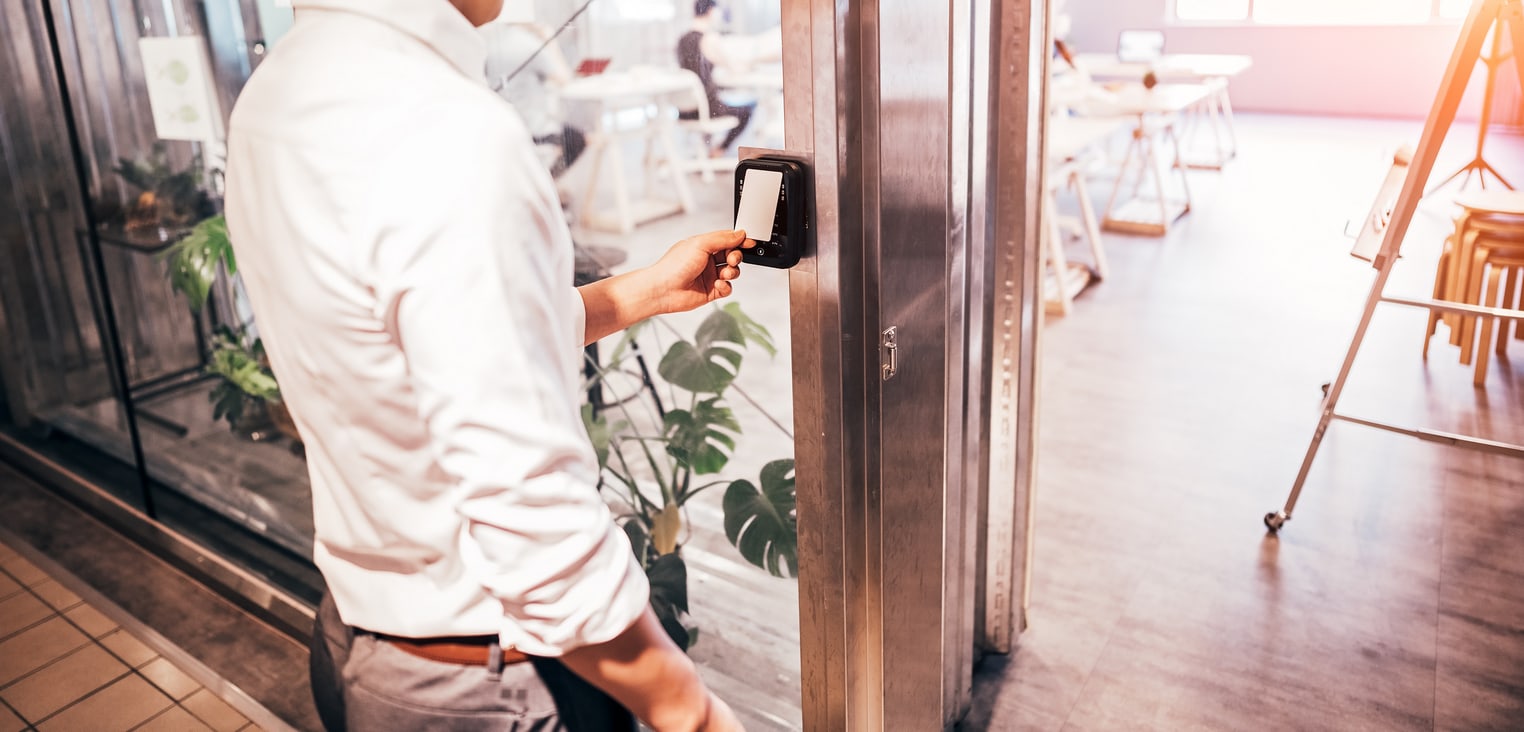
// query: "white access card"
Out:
[759,203]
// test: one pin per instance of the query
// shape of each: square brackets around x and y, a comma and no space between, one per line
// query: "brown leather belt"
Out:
[462,650]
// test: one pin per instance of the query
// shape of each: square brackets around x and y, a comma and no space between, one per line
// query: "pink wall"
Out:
[1361,71]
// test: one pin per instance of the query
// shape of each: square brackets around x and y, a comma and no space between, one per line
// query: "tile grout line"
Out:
[76,702]
[34,623]
[163,712]
[51,662]
[215,684]
[6,705]
[29,590]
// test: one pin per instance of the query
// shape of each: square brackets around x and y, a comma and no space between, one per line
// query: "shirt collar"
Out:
[435,22]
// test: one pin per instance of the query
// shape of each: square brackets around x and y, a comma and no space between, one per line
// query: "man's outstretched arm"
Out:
[687,276]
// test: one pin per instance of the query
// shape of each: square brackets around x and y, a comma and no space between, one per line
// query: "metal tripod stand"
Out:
[1390,222]
[1478,165]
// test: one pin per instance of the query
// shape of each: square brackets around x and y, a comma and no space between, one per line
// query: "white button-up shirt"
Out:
[411,275]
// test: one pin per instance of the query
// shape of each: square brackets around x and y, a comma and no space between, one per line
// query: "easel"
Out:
[1393,224]
[1479,165]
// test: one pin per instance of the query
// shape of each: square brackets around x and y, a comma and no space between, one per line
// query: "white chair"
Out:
[703,130]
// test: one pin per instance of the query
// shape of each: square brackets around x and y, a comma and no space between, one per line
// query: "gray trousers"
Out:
[362,683]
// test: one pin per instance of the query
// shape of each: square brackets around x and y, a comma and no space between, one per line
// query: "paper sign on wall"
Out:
[180,88]
[759,203]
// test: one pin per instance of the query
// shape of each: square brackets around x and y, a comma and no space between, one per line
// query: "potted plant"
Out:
[247,395]
[168,198]
[656,463]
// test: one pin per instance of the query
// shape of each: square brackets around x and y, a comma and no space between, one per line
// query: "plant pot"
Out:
[253,422]
[280,416]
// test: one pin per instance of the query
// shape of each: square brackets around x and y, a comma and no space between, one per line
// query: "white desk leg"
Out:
[597,143]
[622,194]
[1214,106]
[1159,189]
[679,179]
[1087,217]
[1185,181]
[1121,181]
[1192,119]
[1058,264]
[1227,116]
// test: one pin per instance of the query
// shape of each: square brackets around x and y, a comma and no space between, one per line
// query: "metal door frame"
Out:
[913,550]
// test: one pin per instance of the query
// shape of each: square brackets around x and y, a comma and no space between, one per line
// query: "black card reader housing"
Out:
[793,232]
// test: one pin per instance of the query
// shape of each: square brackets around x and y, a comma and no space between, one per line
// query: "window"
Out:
[1322,12]
[1212,9]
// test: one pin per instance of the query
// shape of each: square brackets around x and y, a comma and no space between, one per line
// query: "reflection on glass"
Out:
[638,109]
[1212,9]
[1328,12]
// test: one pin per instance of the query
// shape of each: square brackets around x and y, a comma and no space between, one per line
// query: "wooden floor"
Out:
[1178,400]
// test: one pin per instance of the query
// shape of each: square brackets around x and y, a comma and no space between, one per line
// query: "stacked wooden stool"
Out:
[1482,264]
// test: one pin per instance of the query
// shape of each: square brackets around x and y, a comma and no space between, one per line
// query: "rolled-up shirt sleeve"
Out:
[491,331]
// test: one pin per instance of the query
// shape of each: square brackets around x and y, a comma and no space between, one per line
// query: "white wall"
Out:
[1361,71]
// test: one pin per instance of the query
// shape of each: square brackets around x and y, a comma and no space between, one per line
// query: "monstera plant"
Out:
[246,395]
[656,460]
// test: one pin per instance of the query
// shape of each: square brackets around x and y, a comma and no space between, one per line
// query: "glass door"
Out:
[823,474]
[640,111]
[64,379]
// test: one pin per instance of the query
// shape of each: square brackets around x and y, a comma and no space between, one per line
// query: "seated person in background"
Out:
[700,50]
[527,77]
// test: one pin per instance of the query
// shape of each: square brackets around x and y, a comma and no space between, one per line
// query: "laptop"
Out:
[593,66]
[1140,46]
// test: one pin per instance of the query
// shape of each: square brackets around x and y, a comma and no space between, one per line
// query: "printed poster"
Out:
[180,90]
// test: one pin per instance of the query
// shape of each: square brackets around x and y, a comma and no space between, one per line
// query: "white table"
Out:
[603,98]
[1154,113]
[1214,70]
[1069,140]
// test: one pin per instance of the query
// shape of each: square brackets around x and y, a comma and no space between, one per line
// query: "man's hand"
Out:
[695,271]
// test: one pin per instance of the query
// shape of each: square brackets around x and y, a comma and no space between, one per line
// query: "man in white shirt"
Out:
[411,274]
[700,51]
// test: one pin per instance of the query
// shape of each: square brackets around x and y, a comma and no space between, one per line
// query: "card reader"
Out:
[772,206]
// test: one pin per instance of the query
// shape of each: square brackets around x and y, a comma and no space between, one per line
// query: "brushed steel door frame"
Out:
[922,121]
[1015,178]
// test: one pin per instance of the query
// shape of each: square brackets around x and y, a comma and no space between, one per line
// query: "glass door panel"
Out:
[639,110]
[64,384]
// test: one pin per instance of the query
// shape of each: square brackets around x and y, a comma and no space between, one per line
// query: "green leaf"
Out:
[703,439]
[640,541]
[227,403]
[242,367]
[710,363]
[668,576]
[669,581]
[193,260]
[597,433]
[761,523]
[753,331]
[630,334]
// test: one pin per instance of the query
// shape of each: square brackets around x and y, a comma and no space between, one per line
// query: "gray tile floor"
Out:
[64,665]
